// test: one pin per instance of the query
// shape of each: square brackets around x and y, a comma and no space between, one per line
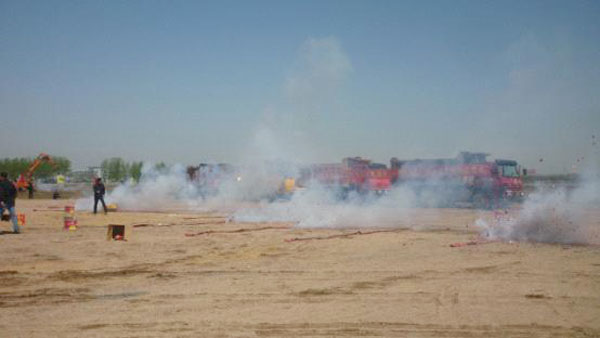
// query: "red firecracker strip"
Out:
[209,232]
[340,235]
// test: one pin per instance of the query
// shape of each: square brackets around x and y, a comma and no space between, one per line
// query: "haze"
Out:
[189,81]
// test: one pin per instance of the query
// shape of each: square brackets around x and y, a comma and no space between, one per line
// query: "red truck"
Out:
[353,174]
[467,178]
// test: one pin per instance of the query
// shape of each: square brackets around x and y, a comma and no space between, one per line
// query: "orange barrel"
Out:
[21,219]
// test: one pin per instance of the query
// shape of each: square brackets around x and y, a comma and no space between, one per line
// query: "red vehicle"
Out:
[467,178]
[353,174]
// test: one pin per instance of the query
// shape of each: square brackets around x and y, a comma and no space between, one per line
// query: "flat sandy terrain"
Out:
[254,283]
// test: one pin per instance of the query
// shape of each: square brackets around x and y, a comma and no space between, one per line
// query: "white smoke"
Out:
[280,141]
[320,207]
[284,136]
[252,183]
[321,69]
[287,137]
[156,190]
[554,215]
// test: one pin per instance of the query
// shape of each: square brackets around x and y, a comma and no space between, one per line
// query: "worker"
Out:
[30,188]
[8,193]
[99,191]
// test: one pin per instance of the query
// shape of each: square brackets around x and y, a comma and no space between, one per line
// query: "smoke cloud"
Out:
[321,69]
[280,144]
[554,215]
[320,207]
[156,190]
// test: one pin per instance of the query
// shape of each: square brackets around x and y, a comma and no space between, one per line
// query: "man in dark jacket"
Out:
[8,193]
[99,192]
[30,188]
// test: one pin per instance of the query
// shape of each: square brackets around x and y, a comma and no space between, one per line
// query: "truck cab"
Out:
[509,178]
[379,178]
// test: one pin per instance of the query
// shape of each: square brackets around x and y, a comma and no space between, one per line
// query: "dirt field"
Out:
[255,283]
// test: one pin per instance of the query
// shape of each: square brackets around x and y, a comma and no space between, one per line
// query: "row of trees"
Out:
[16,166]
[117,170]
[113,169]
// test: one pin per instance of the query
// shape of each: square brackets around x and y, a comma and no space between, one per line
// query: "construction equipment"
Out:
[25,178]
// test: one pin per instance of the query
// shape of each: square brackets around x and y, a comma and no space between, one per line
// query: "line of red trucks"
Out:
[469,177]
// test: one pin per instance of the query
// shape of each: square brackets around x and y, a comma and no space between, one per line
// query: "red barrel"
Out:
[70,221]
[70,224]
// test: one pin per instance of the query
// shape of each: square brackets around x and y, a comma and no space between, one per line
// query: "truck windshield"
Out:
[509,171]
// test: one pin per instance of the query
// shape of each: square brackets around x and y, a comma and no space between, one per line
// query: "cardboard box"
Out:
[118,232]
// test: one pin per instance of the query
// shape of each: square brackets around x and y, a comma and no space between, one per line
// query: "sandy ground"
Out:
[255,283]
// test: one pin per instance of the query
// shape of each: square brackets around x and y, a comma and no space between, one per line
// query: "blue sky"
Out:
[186,81]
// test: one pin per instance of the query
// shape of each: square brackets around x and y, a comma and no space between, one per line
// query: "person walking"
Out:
[8,193]
[99,191]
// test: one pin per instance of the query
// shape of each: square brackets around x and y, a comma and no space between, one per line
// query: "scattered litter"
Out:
[140,225]
[207,222]
[121,295]
[208,232]
[478,241]
[297,239]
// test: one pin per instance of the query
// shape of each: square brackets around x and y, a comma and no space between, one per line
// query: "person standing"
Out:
[8,193]
[30,188]
[99,191]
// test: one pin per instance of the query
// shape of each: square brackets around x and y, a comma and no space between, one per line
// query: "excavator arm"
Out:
[25,177]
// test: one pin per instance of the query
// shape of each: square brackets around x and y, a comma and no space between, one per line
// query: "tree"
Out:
[104,167]
[16,166]
[13,167]
[135,170]
[117,170]
[161,167]
[114,169]
[61,165]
